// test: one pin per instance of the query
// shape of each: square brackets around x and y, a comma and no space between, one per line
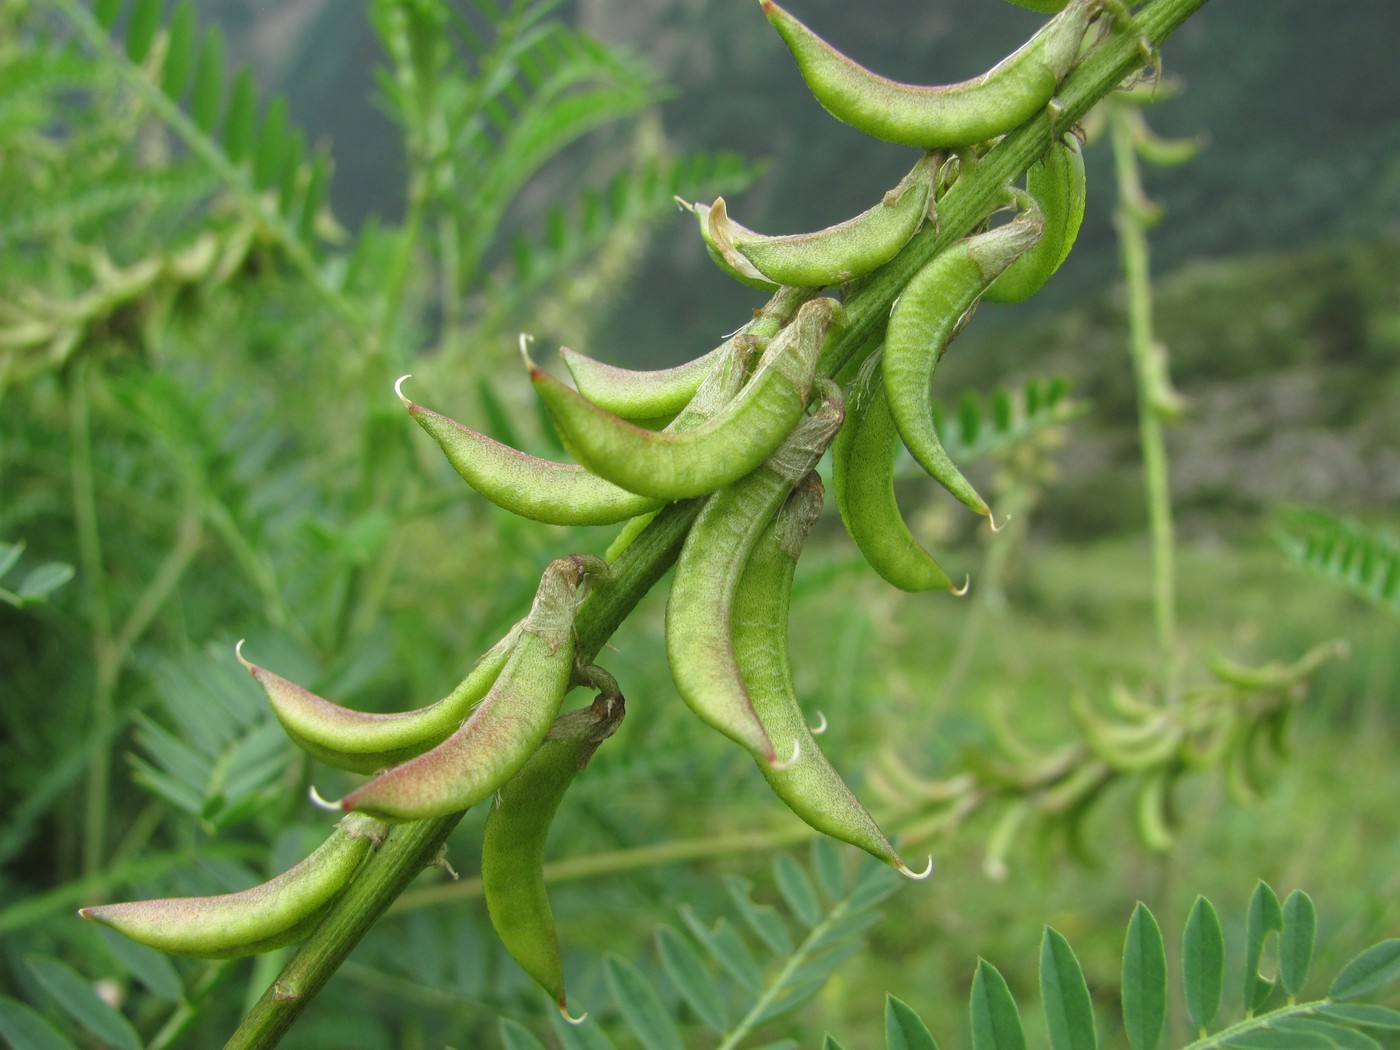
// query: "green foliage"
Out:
[1365,561]
[1068,1005]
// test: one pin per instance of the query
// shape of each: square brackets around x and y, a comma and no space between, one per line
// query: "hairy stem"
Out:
[411,847]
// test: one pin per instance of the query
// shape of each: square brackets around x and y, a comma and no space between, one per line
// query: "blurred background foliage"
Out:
[197,346]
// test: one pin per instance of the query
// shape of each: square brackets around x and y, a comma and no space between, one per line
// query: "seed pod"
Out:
[1056,183]
[921,323]
[862,472]
[699,642]
[638,395]
[512,847]
[722,251]
[672,465]
[504,729]
[943,116]
[365,741]
[848,249]
[534,488]
[810,786]
[259,919]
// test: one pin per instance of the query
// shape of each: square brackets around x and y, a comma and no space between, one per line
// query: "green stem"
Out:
[411,847]
[1147,371]
[105,666]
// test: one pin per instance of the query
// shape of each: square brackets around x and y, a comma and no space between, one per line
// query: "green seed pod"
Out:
[505,728]
[809,786]
[259,919]
[1056,183]
[722,252]
[862,471]
[921,323]
[699,642]
[639,395]
[365,741]
[672,465]
[534,488]
[512,847]
[943,116]
[848,249]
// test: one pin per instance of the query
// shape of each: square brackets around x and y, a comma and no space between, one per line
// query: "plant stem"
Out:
[411,847]
[99,714]
[1152,392]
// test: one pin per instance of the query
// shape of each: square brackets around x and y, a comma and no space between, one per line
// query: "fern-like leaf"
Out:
[1365,561]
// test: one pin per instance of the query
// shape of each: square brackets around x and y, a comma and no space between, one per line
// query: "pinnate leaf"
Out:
[797,889]
[74,994]
[692,980]
[24,1028]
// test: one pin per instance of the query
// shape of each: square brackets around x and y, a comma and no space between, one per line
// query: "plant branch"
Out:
[1131,221]
[411,847]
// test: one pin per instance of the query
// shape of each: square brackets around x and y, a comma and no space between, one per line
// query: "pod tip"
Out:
[525,340]
[568,1017]
[918,876]
[959,592]
[820,727]
[791,761]
[398,389]
[238,652]
[992,521]
[321,802]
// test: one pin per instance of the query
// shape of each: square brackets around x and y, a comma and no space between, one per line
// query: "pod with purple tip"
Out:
[505,728]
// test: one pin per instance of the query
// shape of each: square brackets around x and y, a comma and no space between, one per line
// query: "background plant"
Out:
[159,427]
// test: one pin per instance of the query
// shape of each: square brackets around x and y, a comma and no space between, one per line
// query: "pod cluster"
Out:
[742,428]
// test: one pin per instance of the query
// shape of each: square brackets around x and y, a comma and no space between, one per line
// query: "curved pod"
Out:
[863,458]
[267,916]
[923,320]
[1057,185]
[945,115]
[638,395]
[504,729]
[512,846]
[672,465]
[366,741]
[810,786]
[849,249]
[699,637]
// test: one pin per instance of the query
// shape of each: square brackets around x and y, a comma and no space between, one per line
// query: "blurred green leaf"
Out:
[75,995]
[26,1029]
[638,1003]
[797,889]
[1265,917]
[691,979]
[515,1036]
